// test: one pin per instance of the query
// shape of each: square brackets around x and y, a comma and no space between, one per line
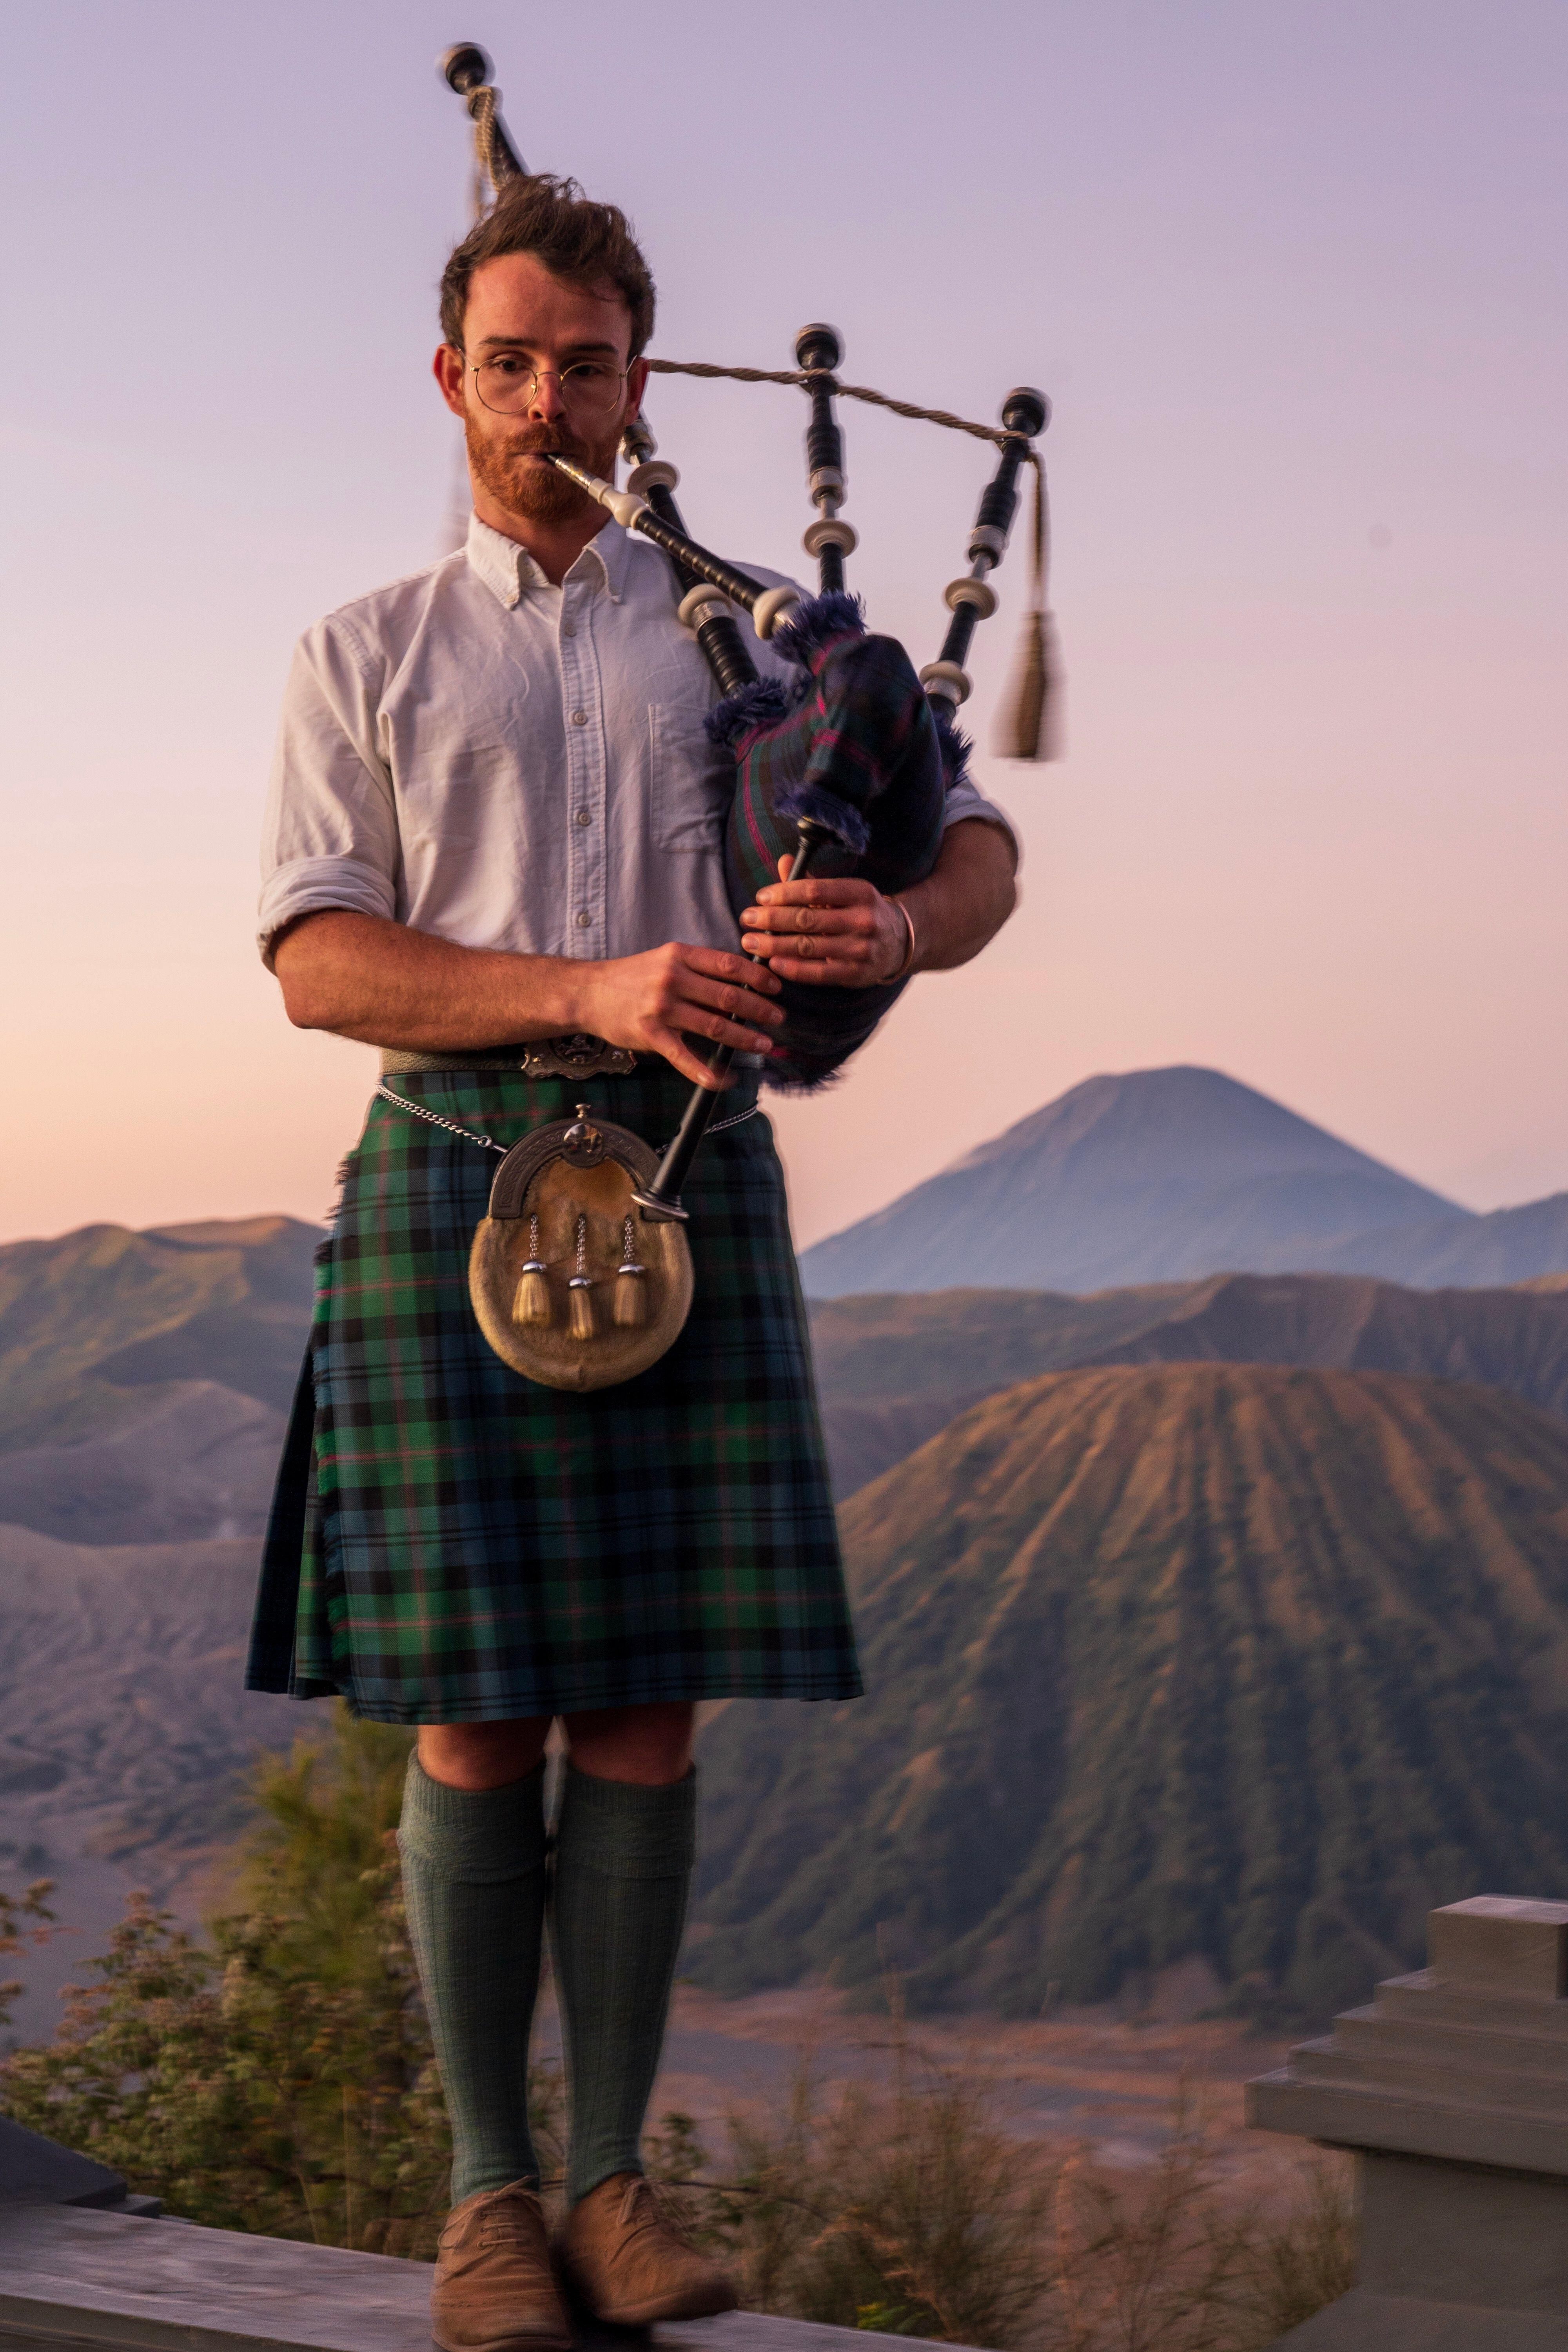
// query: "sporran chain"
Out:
[489,1142]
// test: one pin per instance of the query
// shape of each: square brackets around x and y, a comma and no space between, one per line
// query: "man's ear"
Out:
[449,367]
[636,384]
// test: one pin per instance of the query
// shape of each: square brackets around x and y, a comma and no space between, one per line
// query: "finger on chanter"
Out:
[833,907]
[832,973]
[825,891]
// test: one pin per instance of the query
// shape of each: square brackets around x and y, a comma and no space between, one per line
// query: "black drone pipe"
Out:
[818,350]
[467,69]
[704,611]
[971,598]
[767,606]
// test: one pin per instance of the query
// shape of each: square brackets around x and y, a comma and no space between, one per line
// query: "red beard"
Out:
[538,493]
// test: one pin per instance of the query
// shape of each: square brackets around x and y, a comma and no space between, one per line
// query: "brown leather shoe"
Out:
[495,2288]
[631,2263]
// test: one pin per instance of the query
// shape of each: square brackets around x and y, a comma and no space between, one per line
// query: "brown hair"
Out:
[586,243]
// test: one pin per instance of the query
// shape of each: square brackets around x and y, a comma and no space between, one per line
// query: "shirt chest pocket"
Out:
[691,781]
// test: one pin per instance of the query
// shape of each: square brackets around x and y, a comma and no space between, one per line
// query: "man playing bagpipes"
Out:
[496,849]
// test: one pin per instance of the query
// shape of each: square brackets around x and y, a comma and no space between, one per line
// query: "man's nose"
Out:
[547,403]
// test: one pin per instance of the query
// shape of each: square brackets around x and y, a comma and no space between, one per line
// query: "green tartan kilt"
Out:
[450,1542]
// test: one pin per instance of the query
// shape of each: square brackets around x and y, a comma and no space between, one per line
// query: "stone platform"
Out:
[73,2277]
[1452,2090]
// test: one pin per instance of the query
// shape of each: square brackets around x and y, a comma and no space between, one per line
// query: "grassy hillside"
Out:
[1243,1662]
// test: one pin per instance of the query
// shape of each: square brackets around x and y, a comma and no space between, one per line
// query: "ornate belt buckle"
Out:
[577,1056]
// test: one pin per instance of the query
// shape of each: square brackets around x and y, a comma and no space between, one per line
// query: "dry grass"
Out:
[914,2212]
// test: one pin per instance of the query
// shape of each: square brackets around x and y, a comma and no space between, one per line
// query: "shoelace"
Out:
[641,2210]
[505,2223]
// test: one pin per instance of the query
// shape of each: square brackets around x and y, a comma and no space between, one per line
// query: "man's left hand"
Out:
[842,934]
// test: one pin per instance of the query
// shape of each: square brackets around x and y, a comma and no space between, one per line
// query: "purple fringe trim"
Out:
[955,744]
[762,703]
[820,621]
[840,816]
[781,1082]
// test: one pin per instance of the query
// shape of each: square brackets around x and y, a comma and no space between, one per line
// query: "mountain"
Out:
[1510,1246]
[125,1730]
[893,1369]
[1245,1663]
[226,1301]
[184,1460]
[144,1377]
[1165,1175]
[143,1381]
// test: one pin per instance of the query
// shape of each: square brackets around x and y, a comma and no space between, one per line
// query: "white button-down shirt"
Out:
[509,765]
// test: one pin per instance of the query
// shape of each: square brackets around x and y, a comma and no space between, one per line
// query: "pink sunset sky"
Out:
[1293,276]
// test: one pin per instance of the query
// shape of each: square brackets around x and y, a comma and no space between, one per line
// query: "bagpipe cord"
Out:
[1027,725]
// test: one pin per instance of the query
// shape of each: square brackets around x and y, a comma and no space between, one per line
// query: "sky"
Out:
[1293,277]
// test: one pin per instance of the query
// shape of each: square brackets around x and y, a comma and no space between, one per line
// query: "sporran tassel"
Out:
[1028,723]
[579,1289]
[531,1303]
[631,1285]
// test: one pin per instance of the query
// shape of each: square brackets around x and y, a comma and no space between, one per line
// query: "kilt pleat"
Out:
[451,1543]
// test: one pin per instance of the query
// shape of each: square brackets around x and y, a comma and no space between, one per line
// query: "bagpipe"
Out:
[845,763]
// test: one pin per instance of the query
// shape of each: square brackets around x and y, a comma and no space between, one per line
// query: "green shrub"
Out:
[17,1911]
[280,2081]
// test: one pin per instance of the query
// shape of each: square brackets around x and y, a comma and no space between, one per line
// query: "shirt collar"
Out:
[509,570]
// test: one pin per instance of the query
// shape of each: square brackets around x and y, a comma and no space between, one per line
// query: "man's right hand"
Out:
[653,1002]
[366,976]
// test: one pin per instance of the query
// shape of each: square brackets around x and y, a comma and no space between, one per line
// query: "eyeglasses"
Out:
[510,386]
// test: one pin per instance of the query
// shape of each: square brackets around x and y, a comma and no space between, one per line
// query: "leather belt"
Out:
[578,1056]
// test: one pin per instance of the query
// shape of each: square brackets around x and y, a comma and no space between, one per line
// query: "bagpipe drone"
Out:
[845,765]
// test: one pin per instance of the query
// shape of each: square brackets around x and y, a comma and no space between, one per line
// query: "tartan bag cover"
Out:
[860,748]
[451,1543]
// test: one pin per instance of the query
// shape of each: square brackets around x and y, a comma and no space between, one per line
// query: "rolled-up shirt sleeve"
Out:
[330,838]
[965,800]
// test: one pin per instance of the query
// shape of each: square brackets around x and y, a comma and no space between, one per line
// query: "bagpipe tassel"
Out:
[631,1286]
[1029,721]
[531,1302]
[580,1290]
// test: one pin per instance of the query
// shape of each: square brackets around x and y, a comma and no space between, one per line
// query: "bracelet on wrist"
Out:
[907,962]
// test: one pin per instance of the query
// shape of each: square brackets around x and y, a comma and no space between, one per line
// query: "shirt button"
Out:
[584,920]
[568,628]
[584,816]
[579,718]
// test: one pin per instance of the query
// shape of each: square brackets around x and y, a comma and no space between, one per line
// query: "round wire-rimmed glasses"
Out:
[508,386]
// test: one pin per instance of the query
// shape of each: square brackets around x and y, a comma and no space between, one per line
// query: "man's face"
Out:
[519,317]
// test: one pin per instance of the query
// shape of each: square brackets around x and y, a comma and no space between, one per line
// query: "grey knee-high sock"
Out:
[623,1866]
[473,1881]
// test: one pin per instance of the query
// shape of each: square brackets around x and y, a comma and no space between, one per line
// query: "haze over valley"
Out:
[1189,1494]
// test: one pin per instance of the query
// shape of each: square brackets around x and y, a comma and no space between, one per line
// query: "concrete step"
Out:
[1436,2079]
[1366,2032]
[1368,2115]
[73,2277]
[1426,1994]
[1365,2321]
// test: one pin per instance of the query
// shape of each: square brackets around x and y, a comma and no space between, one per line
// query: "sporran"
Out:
[569,1287]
